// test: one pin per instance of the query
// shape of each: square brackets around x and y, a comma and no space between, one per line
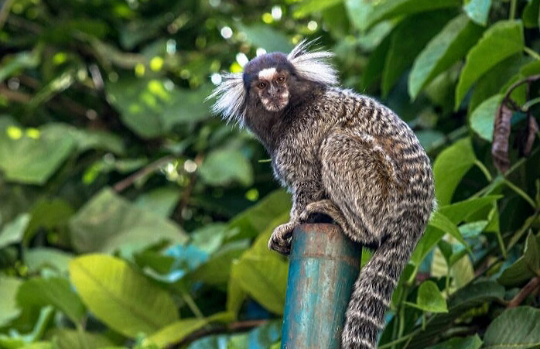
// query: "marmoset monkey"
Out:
[343,155]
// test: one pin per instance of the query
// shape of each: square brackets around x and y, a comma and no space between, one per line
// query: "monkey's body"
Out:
[348,157]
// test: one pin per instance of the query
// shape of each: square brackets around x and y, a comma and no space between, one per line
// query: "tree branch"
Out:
[154,166]
[234,327]
[531,286]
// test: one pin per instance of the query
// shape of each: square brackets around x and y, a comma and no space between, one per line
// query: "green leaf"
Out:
[256,219]
[262,273]
[108,222]
[91,139]
[526,267]
[49,215]
[430,299]
[460,211]
[55,291]
[450,167]
[441,222]
[161,201]
[218,268]
[514,328]
[309,6]
[483,117]
[13,231]
[8,306]
[223,166]
[495,80]
[72,339]
[377,59]
[16,340]
[376,12]
[531,14]
[175,332]
[151,107]
[478,11]
[262,35]
[472,342]
[408,39]
[500,41]
[37,258]
[448,46]
[430,239]
[120,297]
[39,345]
[32,156]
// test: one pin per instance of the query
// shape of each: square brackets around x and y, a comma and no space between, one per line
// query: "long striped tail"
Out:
[372,293]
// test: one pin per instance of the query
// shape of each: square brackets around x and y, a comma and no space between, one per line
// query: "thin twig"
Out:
[186,194]
[234,327]
[531,286]
[154,166]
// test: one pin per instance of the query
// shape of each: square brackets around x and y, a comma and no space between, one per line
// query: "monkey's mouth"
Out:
[275,104]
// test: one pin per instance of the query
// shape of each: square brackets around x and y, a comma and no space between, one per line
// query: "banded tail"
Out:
[372,293]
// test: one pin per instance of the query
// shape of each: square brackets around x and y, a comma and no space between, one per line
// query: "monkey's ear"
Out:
[230,96]
[314,65]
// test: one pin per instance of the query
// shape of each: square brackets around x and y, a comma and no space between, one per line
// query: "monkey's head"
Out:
[270,82]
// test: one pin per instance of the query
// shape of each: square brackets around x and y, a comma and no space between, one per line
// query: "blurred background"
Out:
[130,217]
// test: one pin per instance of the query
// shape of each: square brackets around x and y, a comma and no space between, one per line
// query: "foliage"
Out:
[130,217]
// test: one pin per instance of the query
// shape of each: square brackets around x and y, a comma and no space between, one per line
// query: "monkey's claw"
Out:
[281,238]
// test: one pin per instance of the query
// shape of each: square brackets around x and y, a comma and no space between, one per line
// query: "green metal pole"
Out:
[323,266]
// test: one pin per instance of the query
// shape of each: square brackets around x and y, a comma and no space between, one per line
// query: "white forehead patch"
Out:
[267,74]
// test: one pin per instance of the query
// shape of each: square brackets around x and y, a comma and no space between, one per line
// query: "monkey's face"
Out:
[271,88]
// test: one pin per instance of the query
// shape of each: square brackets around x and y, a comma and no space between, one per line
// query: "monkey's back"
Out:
[373,148]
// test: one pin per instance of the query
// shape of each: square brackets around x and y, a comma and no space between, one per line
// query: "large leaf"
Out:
[450,45]
[175,332]
[460,211]
[150,108]
[223,166]
[256,219]
[478,10]
[108,222]
[531,14]
[51,215]
[526,267]
[161,201]
[32,156]
[57,292]
[13,231]
[37,258]
[408,39]
[450,166]
[499,42]
[72,339]
[430,299]
[515,328]
[441,222]
[265,36]
[430,239]
[262,273]
[8,306]
[370,13]
[472,342]
[483,117]
[120,297]
[309,6]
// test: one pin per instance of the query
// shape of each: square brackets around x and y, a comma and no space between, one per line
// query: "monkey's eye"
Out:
[261,85]
[281,79]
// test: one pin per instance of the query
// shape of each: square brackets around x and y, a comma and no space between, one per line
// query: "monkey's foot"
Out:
[280,241]
[325,207]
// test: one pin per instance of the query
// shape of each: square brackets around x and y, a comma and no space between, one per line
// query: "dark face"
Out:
[266,78]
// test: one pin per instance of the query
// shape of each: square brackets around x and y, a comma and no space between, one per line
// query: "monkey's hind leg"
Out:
[323,207]
[359,179]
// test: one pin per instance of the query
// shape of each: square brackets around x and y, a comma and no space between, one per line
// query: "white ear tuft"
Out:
[314,65]
[230,96]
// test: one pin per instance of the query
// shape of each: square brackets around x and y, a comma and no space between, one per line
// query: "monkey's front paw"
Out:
[281,238]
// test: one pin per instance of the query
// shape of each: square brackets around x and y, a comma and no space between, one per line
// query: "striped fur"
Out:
[349,157]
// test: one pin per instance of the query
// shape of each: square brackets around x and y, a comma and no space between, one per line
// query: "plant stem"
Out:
[483,169]
[513,5]
[520,193]
[531,53]
[192,305]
